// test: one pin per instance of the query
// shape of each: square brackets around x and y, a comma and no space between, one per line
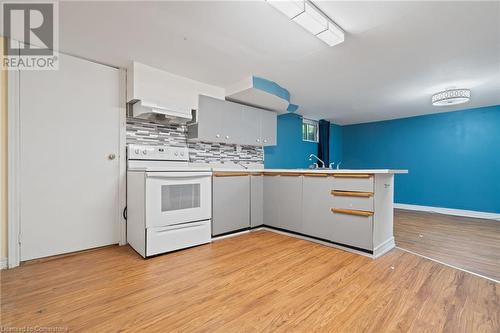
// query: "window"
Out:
[309,130]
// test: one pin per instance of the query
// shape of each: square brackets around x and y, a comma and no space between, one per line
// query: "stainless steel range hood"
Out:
[159,114]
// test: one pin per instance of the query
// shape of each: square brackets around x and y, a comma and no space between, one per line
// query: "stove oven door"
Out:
[177,197]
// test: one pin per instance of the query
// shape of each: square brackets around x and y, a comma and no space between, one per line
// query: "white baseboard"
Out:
[384,248]
[452,266]
[3,263]
[450,211]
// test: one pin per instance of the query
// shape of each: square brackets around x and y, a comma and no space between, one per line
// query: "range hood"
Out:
[159,114]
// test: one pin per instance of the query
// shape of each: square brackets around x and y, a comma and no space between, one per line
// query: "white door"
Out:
[69,187]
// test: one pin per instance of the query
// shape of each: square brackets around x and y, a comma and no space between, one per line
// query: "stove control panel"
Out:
[159,153]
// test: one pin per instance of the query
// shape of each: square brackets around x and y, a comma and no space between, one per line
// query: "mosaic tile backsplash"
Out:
[142,132]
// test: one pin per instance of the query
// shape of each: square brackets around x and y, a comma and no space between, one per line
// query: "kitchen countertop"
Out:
[320,171]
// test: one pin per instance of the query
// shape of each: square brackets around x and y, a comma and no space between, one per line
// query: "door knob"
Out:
[111,156]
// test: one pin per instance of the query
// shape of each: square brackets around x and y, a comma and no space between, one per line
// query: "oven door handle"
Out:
[178,175]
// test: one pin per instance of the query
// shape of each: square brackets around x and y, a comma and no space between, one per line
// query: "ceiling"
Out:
[395,56]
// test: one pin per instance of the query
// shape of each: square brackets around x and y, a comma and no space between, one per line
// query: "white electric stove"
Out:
[169,201]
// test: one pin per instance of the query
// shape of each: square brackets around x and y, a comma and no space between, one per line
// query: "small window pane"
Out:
[309,130]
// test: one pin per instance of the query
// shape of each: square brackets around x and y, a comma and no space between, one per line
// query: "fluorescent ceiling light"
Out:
[289,8]
[332,36]
[311,18]
[451,97]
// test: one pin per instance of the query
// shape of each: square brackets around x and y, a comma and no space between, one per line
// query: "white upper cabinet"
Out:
[234,123]
[163,89]
[268,121]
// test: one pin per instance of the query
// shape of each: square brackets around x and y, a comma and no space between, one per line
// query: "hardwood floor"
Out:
[257,282]
[467,243]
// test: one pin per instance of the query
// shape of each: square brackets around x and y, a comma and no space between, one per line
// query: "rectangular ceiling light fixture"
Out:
[311,18]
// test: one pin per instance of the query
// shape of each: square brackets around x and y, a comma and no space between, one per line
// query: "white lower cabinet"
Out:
[361,182]
[341,210]
[317,218]
[256,200]
[231,204]
[283,202]
[352,230]
[341,200]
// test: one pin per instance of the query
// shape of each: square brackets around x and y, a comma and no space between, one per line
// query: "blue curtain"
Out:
[324,141]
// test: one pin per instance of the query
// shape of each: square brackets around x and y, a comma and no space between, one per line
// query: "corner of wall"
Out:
[336,143]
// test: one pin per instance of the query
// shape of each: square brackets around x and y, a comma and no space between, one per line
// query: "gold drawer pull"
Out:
[311,174]
[352,175]
[230,174]
[352,212]
[270,174]
[351,194]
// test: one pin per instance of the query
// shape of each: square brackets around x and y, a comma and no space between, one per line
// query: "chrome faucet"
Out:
[338,165]
[330,166]
[316,157]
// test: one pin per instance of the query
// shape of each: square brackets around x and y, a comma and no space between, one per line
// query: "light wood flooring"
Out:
[467,243]
[257,282]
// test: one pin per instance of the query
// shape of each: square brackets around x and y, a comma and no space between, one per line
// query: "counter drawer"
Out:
[353,200]
[353,230]
[359,182]
[175,237]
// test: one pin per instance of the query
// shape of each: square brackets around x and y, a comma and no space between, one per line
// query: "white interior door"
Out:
[69,125]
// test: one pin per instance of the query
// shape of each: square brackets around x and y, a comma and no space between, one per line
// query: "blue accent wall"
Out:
[336,145]
[290,152]
[453,158]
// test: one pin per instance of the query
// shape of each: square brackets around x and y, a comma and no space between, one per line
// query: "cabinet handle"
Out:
[352,212]
[270,174]
[316,174]
[231,174]
[352,175]
[351,194]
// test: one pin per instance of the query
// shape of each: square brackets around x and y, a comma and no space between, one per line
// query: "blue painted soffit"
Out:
[292,107]
[275,89]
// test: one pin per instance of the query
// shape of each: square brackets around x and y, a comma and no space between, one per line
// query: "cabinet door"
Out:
[272,200]
[290,199]
[353,230]
[256,200]
[231,204]
[212,119]
[282,202]
[249,131]
[268,128]
[317,218]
